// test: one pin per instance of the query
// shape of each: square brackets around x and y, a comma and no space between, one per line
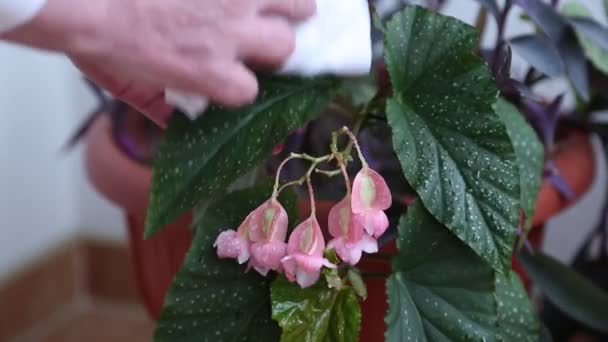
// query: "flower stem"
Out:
[311,196]
[314,162]
[346,178]
[355,143]
[275,189]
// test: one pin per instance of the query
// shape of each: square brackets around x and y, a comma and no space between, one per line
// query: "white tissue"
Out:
[336,40]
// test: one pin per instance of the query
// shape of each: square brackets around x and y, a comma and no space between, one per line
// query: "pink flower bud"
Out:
[370,197]
[305,249]
[231,245]
[350,238]
[261,236]
[267,236]
[370,192]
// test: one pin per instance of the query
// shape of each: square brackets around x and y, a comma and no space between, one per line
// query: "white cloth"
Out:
[16,12]
[336,40]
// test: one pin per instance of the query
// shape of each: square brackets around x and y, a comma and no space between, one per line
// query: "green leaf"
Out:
[315,314]
[214,299]
[516,318]
[530,156]
[597,55]
[200,159]
[440,290]
[606,8]
[568,290]
[359,91]
[454,149]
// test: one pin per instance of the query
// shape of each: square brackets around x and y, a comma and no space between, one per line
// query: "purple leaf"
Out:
[594,31]
[575,62]
[540,52]
[525,91]
[554,177]
[544,118]
[545,16]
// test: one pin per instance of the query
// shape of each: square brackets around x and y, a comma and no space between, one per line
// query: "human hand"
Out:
[138,48]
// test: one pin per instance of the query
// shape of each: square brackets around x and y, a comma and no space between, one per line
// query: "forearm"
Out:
[59,25]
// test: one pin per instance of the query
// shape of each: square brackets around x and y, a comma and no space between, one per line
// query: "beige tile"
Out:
[38,291]
[104,326]
[110,273]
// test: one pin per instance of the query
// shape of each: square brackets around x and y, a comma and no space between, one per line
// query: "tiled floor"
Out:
[103,327]
[84,291]
[93,321]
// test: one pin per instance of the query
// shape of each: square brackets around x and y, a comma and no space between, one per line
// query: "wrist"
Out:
[69,26]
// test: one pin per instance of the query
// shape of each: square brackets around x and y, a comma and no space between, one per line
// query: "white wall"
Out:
[44,195]
[44,198]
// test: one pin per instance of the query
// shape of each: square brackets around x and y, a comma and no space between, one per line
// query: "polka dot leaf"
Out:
[516,318]
[315,314]
[453,148]
[198,160]
[214,299]
[440,290]
[530,156]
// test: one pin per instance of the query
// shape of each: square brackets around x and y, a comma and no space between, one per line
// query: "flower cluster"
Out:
[355,223]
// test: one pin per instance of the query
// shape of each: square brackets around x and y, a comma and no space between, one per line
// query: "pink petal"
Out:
[339,218]
[368,244]
[370,192]
[354,255]
[262,270]
[311,263]
[230,245]
[375,222]
[290,267]
[268,222]
[268,254]
[307,279]
[307,238]
[344,250]
[351,252]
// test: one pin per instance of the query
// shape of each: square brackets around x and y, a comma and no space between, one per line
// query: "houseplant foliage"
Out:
[468,153]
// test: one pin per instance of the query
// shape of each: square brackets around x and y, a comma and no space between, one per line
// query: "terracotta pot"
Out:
[575,161]
[126,183]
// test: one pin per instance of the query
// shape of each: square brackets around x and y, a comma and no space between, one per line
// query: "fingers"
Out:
[269,44]
[293,9]
[148,101]
[223,81]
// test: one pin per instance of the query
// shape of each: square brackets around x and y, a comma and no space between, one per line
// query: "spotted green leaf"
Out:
[315,314]
[454,149]
[213,299]
[440,289]
[530,155]
[200,159]
[597,55]
[516,318]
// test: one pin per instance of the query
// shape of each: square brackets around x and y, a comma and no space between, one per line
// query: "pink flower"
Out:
[305,249]
[259,239]
[370,197]
[350,238]
[267,235]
